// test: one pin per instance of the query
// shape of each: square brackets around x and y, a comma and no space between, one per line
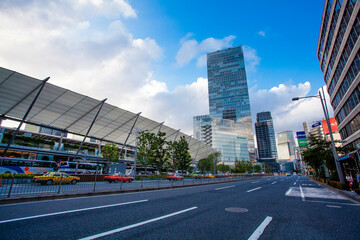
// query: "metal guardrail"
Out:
[26,187]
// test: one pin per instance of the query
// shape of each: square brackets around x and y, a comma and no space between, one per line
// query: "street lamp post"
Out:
[326,114]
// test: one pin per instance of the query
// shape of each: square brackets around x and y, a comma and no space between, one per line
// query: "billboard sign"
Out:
[301,134]
[301,137]
[333,123]
[302,142]
[316,125]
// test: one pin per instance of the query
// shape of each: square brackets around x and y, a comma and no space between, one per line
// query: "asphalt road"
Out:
[270,208]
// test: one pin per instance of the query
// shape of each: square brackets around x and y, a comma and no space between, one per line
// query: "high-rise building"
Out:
[228,127]
[227,136]
[228,90]
[286,146]
[265,136]
[338,52]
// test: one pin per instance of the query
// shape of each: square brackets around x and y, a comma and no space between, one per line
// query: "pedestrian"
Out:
[358,178]
[350,181]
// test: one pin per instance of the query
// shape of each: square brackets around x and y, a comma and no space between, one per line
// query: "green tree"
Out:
[180,153]
[318,154]
[257,168]
[243,166]
[160,154]
[223,168]
[146,145]
[204,165]
[208,163]
[110,152]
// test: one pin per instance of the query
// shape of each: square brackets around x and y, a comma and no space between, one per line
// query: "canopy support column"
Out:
[25,116]
[92,123]
[130,133]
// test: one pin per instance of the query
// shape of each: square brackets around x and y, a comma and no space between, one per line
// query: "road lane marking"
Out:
[348,204]
[255,181]
[333,206]
[288,191]
[294,183]
[273,182]
[136,224]
[71,211]
[224,187]
[302,194]
[253,189]
[260,229]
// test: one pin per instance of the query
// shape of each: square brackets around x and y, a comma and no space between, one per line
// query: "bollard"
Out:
[142,178]
[61,177]
[159,183]
[121,183]
[97,167]
[12,182]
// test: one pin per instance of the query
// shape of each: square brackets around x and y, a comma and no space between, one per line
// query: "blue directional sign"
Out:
[316,125]
[300,134]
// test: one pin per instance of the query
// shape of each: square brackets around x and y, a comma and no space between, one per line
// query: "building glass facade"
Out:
[228,90]
[227,136]
[339,56]
[265,136]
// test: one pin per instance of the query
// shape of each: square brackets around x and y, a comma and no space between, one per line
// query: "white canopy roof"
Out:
[69,111]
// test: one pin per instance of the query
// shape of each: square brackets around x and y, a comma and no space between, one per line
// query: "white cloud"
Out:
[177,108]
[63,40]
[287,114]
[190,49]
[252,60]
[262,33]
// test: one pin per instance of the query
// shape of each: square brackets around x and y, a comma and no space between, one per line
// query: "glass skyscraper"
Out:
[265,136]
[228,127]
[228,90]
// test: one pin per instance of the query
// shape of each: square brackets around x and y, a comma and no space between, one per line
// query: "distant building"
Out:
[286,146]
[265,136]
[320,129]
[339,56]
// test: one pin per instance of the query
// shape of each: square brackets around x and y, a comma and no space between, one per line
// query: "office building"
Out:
[286,146]
[265,136]
[228,90]
[338,52]
[227,136]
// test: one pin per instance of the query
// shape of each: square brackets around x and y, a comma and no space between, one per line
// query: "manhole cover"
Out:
[236,210]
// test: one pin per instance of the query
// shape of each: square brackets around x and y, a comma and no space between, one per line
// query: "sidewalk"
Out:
[348,194]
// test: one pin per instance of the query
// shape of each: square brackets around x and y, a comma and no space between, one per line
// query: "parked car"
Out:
[117,177]
[198,176]
[175,177]
[55,177]
[288,174]
[209,176]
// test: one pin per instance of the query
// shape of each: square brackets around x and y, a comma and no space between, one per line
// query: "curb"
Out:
[32,198]
[341,192]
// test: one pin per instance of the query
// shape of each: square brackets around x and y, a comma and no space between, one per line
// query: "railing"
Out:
[25,187]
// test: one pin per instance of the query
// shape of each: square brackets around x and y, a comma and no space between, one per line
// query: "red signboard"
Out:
[333,123]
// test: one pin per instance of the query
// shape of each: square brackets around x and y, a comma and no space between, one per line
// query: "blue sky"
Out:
[150,56]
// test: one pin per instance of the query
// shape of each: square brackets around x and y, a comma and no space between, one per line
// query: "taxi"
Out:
[55,177]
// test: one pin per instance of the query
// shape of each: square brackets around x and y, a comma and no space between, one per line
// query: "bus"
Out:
[27,166]
[82,168]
